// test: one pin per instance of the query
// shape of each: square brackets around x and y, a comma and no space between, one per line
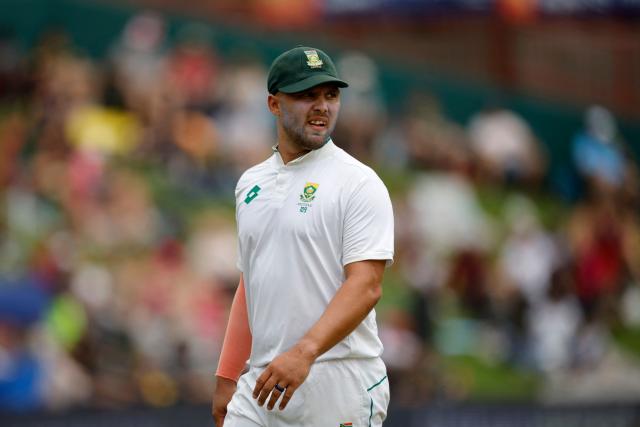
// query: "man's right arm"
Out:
[236,349]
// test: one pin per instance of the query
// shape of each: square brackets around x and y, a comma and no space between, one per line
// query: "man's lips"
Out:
[318,123]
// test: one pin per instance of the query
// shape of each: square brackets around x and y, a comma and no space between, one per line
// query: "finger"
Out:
[262,379]
[275,395]
[286,397]
[269,387]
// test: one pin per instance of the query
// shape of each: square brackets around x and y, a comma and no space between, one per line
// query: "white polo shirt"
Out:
[299,224]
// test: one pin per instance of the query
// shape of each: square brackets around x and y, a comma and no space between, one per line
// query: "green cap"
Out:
[301,68]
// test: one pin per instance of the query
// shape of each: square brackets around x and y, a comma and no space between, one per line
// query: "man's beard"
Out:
[297,136]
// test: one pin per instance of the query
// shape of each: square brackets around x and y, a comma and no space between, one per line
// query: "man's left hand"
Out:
[288,371]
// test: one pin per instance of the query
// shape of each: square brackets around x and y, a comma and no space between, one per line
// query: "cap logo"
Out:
[313,60]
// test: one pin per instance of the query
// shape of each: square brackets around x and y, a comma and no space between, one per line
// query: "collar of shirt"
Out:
[326,150]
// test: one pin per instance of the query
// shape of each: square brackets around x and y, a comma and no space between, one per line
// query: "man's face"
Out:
[309,117]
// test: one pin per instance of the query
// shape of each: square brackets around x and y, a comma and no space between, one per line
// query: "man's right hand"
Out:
[221,397]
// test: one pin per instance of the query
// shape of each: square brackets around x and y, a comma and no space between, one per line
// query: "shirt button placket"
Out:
[281,184]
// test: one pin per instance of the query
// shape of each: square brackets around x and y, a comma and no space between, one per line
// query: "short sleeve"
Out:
[368,223]
[239,251]
[239,261]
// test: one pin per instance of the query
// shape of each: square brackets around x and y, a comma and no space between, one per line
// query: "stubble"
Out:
[296,133]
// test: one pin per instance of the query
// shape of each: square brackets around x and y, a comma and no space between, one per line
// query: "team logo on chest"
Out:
[307,196]
[309,192]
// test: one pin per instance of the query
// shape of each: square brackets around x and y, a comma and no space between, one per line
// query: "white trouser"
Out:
[336,393]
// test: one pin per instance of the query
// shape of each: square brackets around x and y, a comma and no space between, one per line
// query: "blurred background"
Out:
[508,134]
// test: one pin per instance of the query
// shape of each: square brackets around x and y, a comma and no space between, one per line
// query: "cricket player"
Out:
[315,230]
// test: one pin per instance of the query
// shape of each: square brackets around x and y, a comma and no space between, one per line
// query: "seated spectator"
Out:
[506,146]
[597,154]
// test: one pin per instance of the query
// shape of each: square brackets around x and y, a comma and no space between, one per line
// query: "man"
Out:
[315,231]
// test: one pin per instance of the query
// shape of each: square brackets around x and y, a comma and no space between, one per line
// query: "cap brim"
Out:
[312,81]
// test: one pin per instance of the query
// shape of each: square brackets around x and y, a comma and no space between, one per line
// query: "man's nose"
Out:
[321,105]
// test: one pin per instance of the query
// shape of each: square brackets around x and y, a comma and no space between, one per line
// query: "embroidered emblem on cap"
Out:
[314,60]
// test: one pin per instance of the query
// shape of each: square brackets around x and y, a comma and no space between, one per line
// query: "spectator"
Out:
[506,146]
[596,152]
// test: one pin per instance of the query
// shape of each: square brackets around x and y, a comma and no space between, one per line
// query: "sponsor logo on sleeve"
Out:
[252,194]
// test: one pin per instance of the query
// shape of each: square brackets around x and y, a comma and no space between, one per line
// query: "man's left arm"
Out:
[357,296]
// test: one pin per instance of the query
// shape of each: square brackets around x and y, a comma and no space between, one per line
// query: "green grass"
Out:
[628,339]
[395,292]
[486,382]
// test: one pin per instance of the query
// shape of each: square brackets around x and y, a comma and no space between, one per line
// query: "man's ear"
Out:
[274,104]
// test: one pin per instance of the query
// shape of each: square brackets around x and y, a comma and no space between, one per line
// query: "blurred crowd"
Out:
[118,247]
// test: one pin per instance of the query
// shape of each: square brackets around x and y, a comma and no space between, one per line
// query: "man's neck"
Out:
[289,152]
